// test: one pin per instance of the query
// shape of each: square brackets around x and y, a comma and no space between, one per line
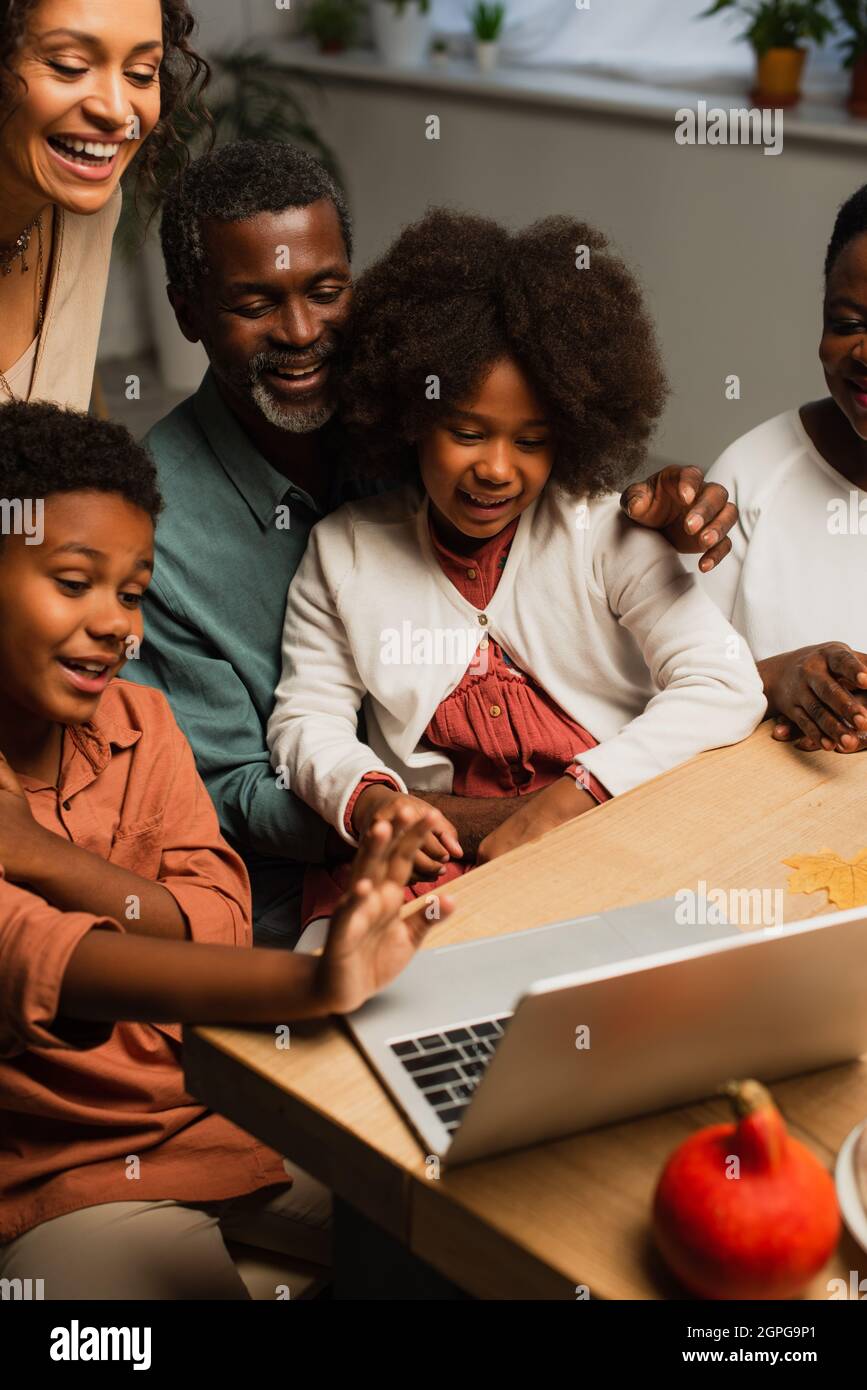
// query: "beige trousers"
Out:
[168,1249]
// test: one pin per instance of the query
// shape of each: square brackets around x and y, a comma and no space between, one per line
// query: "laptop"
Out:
[492,1045]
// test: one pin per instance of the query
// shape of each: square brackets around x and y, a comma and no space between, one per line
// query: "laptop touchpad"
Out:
[663,925]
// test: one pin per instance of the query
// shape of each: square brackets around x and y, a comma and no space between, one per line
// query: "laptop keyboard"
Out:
[448,1066]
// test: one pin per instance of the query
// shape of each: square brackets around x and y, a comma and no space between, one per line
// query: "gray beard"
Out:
[297,419]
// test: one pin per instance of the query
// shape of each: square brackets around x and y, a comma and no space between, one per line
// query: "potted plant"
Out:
[776,31]
[439,53]
[251,97]
[854,15]
[401,29]
[487,18]
[333,23]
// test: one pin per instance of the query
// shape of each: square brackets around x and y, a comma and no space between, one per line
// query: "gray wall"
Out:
[226,22]
[728,241]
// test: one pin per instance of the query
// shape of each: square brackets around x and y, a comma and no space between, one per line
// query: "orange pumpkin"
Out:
[744,1210]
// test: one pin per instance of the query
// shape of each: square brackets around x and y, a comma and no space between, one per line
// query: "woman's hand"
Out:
[561,802]
[820,697]
[379,802]
[368,942]
[20,834]
[693,515]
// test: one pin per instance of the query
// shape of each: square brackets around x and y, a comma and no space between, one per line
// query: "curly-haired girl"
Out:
[521,652]
[84,86]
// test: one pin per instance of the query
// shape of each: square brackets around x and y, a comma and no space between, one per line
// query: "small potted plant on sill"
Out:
[776,31]
[854,16]
[333,23]
[401,29]
[439,53]
[487,18]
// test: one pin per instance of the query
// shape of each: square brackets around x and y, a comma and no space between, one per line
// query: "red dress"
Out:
[503,733]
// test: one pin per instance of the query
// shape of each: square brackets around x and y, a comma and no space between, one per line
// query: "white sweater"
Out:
[597,610]
[798,566]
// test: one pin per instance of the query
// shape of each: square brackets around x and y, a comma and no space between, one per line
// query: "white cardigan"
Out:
[597,610]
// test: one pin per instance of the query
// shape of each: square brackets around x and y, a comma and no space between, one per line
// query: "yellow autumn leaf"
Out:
[844,880]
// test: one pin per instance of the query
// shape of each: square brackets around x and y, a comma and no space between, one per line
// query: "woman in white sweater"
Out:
[520,650]
[795,580]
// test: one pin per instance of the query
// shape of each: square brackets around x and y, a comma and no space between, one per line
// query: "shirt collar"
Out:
[260,485]
[488,550]
[88,748]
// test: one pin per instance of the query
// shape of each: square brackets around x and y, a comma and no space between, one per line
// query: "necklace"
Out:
[9,254]
[20,249]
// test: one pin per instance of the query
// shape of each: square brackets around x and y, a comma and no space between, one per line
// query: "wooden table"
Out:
[541,1222]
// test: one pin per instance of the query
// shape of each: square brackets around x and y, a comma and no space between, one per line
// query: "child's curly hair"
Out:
[456,293]
[45,450]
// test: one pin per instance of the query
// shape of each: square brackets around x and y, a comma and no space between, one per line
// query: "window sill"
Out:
[812,120]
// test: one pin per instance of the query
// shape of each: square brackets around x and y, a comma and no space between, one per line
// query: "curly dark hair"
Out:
[239,180]
[455,293]
[45,450]
[851,221]
[184,76]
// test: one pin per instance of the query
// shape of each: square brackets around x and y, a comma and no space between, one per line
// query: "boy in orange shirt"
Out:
[118,897]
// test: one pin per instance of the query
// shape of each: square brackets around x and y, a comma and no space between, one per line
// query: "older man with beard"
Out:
[257,242]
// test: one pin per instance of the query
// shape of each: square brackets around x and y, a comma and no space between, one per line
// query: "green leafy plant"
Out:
[854,15]
[333,23]
[250,97]
[487,20]
[779,23]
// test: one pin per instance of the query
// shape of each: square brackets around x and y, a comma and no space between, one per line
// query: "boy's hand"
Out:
[368,942]
[379,802]
[561,802]
[693,515]
[19,832]
[818,694]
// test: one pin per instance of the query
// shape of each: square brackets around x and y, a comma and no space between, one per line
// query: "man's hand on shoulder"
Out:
[694,516]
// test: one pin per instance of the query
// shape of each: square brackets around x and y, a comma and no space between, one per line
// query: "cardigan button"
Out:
[495,711]
[483,619]
[471,574]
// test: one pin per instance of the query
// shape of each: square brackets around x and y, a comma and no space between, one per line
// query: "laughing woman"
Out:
[83,85]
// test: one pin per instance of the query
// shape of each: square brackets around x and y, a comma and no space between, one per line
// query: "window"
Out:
[658,41]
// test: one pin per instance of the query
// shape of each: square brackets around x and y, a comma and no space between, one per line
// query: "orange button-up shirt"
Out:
[77,1102]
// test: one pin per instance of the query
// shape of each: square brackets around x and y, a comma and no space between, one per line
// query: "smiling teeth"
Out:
[91,147]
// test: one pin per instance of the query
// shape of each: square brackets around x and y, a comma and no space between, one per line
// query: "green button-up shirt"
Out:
[213,627]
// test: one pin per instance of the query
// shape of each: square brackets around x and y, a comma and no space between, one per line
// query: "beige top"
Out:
[20,375]
[66,354]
